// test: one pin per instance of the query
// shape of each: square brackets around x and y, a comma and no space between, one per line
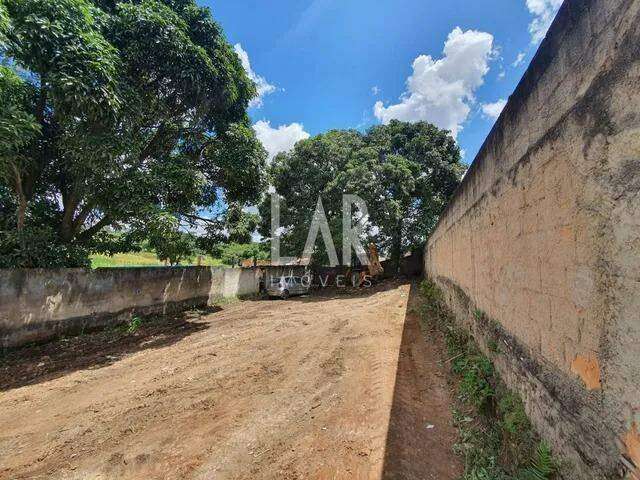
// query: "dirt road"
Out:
[323,387]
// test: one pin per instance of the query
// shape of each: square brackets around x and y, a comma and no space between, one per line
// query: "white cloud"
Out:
[264,88]
[519,59]
[441,91]
[281,139]
[493,110]
[375,91]
[543,11]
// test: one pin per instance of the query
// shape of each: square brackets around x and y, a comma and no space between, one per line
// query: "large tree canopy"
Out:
[405,173]
[311,170]
[124,114]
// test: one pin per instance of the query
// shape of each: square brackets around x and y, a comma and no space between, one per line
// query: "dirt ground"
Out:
[321,387]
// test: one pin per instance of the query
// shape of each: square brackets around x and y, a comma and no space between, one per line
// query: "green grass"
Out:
[143,259]
[497,440]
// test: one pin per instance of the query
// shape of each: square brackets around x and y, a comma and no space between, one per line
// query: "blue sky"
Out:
[323,64]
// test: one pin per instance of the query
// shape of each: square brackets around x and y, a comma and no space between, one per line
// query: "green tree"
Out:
[234,225]
[300,177]
[234,253]
[122,112]
[168,241]
[405,172]
[18,129]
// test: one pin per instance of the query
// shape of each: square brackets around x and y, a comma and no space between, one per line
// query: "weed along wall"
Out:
[539,250]
[38,304]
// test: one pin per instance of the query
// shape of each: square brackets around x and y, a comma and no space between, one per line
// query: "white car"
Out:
[285,287]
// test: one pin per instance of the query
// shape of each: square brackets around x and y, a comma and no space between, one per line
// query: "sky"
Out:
[325,64]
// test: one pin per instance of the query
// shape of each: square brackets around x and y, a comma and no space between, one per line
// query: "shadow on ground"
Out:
[39,363]
[323,294]
[421,434]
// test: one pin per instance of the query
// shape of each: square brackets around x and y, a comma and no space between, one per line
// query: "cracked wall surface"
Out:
[543,237]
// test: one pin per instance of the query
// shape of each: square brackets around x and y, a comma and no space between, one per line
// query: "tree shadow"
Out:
[34,364]
[421,434]
[323,294]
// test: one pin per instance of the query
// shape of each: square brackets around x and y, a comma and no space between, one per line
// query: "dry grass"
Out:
[142,259]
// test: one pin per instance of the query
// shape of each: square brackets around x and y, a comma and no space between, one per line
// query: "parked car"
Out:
[285,287]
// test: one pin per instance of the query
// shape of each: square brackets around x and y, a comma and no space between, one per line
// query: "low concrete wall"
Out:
[543,237]
[38,304]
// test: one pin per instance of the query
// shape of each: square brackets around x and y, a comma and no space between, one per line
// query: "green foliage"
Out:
[235,225]
[542,467]
[229,237]
[4,23]
[480,448]
[121,112]
[18,126]
[234,253]
[175,247]
[405,172]
[514,418]
[432,294]
[301,176]
[39,247]
[167,240]
[493,346]
[130,327]
[134,324]
[496,436]
[476,373]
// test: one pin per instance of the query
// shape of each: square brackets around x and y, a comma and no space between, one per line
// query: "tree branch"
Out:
[41,104]
[196,217]
[82,216]
[95,228]
[22,200]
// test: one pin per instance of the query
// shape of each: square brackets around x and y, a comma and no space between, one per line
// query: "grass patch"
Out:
[497,440]
[133,325]
[143,259]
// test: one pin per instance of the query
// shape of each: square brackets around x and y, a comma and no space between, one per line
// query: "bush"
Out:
[514,418]
[39,247]
[476,382]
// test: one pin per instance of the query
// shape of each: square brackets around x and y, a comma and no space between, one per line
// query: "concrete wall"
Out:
[543,237]
[37,304]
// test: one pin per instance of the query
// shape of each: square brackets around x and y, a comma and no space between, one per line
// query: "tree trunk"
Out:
[22,200]
[22,210]
[396,252]
[70,204]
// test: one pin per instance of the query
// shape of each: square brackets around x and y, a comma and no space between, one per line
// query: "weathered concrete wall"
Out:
[37,304]
[543,237]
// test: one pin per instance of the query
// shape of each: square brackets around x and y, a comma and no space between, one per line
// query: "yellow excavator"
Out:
[374,270]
